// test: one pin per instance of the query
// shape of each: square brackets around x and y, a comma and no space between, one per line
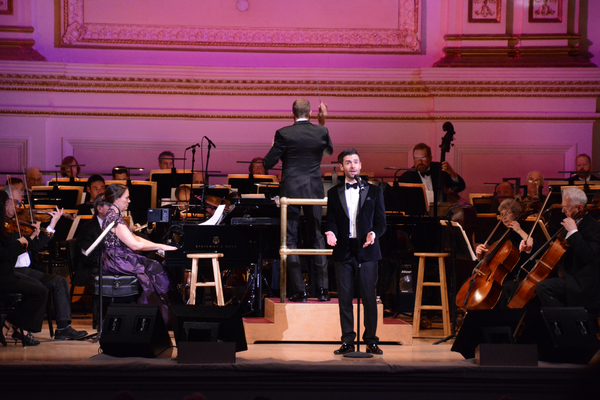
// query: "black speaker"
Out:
[565,334]
[201,324]
[132,330]
[487,326]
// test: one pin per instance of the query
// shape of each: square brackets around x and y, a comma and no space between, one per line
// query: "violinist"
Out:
[33,305]
[27,265]
[427,172]
[578,282]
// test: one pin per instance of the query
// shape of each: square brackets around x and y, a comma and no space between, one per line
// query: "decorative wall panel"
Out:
[360,26]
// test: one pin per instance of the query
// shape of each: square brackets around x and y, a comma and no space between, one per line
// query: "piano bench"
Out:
[216,272]
[419,292]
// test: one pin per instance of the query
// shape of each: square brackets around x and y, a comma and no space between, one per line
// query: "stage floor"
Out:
[76,370]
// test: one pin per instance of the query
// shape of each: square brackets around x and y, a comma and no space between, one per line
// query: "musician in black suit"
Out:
[583,164]
[579,284]
[301,147]
[355,222]
[428,173]
[95,186]
[87,235]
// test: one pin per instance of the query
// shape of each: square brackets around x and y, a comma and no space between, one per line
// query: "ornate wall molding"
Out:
[75,31]
[18,148]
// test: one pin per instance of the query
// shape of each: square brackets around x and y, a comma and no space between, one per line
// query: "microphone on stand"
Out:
[361,183]
[194,146]
[210,142]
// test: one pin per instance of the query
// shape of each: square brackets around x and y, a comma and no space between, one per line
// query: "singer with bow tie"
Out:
[355,222]
[428,173]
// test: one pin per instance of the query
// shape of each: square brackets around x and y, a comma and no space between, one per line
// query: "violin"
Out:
[23,228]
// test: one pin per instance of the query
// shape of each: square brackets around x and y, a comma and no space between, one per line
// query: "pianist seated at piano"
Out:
[428,173]
[121,258]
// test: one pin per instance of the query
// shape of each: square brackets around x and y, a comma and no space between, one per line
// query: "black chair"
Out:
[10,303]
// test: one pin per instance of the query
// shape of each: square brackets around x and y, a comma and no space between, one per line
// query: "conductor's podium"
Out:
[316,321]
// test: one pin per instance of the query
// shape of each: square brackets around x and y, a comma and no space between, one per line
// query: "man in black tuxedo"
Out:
[583,165]
[301,147]
[579,285]
[95,186]
[428,173]
[87,235]
[355,222]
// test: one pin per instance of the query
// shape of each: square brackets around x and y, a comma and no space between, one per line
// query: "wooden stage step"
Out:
[316,321]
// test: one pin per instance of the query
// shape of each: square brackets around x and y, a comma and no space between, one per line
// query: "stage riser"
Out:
[316,322]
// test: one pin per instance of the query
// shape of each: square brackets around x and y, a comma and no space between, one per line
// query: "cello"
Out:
[556,248]
[482,291]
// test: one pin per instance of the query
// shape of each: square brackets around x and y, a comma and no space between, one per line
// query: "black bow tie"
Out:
[426,173]
[351,185]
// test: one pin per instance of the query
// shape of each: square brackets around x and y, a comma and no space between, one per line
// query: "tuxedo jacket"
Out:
[575,178]
[86,236]
[301,148]
[582,265]
[412,176]
[370,217]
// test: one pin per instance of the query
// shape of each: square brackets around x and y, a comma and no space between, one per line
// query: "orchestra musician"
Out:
[33,304]
[427,172]
[504,190]
[166,159]
[583,164]
[94,187]
[509,211]
[120,173]
[535,184]
[58,284]
[301,147]
[120,257]
[578,283]
[355,222]
[87,235]
[69,167]
[257,166]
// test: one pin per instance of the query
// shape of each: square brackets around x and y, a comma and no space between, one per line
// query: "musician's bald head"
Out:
[301,109]
[34,177]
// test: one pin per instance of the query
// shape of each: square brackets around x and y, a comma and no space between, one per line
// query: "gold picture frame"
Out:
[485,10]
[6,7]
[545,10]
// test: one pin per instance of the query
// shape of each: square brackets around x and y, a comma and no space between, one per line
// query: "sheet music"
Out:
[104,233]
[217,216]
[456,224]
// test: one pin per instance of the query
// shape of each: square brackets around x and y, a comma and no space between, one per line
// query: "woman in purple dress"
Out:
[120,257]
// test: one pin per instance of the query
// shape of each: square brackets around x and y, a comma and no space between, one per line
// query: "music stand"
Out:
[455,239]
[410,198]
[167,178]
[87,253]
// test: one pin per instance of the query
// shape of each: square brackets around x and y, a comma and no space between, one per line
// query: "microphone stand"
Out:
[206,177]
[192,180]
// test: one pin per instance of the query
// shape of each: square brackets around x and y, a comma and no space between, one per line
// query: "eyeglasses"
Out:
[421,159]
[506,214]
[19,204]
[536,181]
[567,208]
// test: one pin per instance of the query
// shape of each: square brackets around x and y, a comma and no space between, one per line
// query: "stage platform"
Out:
[283,370]
[316,321]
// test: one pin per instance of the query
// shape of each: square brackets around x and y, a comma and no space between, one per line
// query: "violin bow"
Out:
[12,197]
[28,196]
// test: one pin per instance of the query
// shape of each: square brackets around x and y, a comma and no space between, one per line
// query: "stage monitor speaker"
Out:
[201,324]
[132,330]
[566,335]
[487,326]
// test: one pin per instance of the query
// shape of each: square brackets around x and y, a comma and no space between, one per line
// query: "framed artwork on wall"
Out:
[545,10]
[484,10]
[6,7]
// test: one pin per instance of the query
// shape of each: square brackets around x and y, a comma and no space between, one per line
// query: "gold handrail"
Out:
[283,250]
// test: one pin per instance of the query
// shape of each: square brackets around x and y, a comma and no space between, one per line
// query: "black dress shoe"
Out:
[345,348]
[69,333]
[323,295]
[374,349]
[28,339]
[300,297]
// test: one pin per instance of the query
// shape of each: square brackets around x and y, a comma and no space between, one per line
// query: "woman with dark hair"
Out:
[69,167]
[34,293]
[120,245]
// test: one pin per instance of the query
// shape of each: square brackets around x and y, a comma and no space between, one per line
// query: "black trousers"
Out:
[61,294]
[552,292]
[366,275]
[313,216]
[33,305]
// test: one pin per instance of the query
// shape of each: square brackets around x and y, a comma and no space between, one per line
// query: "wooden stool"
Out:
[443,291]
[216,271]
